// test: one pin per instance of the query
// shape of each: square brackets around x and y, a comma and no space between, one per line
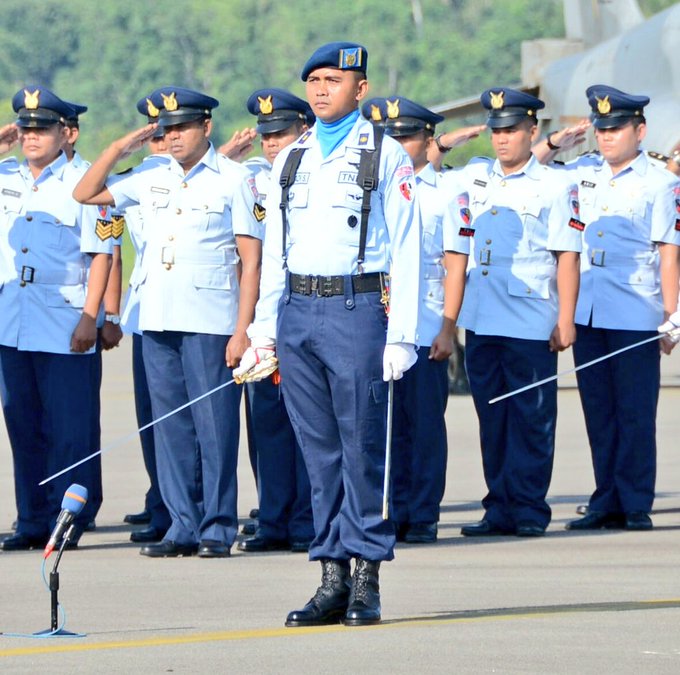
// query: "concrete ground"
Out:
[605,602]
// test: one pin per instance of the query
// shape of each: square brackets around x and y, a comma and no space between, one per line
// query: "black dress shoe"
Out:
[148,535]
[300,545]
[528,528]
[210,548]
[421,533]
[254,514]
[364,598]
[259,544]
[638,520]
[329,604]
[22,542]
[91,526]
[249,529]
[597,520]
[483,528]
[168,549]
[143,518]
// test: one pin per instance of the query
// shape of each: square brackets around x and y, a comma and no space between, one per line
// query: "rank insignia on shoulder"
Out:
[587,183]
[259,212]
[480,183]
[363,139]
[117,226]
[577,224]
[305,136]
[657,155]
[104,229]
[466,232]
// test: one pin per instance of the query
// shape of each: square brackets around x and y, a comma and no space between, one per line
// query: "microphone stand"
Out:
[54,630]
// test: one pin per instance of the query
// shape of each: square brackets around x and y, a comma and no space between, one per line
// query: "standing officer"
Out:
[55,258]
[518,311]
[285,496]
[193,310]
[419,445]
[322,312]
[629,285]
[155,514]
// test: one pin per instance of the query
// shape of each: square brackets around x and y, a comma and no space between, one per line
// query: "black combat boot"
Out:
[364,600]
[330,601]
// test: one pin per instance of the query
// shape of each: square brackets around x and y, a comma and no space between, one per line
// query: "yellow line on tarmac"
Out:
[465,616]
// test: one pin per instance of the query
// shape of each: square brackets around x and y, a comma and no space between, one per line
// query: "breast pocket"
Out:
[530,287]
[158,201]
[65,297]
[213,279]
[56,233]
[298,196]
[211,212]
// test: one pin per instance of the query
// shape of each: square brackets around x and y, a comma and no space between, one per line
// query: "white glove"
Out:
[671,327]
[397,359]
[258,361]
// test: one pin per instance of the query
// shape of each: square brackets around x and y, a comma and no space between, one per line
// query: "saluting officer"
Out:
[629,285]
[322,313]
[419,444]
[518,311]
[55,259]
[194,309]
[285,496]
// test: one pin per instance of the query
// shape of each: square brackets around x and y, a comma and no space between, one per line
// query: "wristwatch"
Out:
[548,140]
[442,148]
[112,318]
[676,157]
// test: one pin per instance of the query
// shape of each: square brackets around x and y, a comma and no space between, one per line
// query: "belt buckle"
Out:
[27,274]
[313,285]
[168,255]
[597,257]
[485,256]
[325,289]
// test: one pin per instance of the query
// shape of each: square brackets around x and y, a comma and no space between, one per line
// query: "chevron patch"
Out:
[259,212]
[104,229]
[117,226]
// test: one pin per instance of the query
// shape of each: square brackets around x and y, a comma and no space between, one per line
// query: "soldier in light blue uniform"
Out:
[54,259]
[629,285]
[419,444]
[285,499]
[194,309]
[518,311]
[321,311]
[155,514]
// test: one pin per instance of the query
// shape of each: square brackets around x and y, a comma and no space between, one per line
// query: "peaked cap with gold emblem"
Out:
[613,108]
[145,106]
[178,105]
[400,116]
[278,109]
[508,107]
[38,107]
[340,55]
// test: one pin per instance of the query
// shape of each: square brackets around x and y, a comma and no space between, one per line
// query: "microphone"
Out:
[72,504]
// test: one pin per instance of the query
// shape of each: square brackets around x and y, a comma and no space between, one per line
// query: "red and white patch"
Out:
[253,188]
[404,171]
[406,190]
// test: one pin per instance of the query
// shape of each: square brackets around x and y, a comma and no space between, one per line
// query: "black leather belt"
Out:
[310,284]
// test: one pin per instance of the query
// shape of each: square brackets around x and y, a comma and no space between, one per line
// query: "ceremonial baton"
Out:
[388,452]
[573,370]
[132,434]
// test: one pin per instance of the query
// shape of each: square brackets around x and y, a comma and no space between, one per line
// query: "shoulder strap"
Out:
[368,178]
[287,179]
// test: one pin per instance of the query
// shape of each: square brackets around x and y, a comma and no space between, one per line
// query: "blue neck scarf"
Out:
[331,134]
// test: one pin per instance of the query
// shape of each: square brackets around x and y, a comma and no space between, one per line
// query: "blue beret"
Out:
[39,107]
[508,107]
[613,108]
[178,105]
[340,55]
[400,116]
[278,109]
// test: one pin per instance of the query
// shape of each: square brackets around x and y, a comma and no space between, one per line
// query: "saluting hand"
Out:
[570,137]
[134,140]
[85,335]
[453,139]
[239,145]
[9,137]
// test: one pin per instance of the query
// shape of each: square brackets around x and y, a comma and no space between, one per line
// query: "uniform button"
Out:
[67,301]
[485,272]
[600,233]
[35,188]
[529,291]
[171,238]
[178,212]
[184,185]
[29,218]
[57,221]
[612,183]
[488,241]
[24,249]
[493,212]
[605,208]
[639,279]
[168,266]
[503,183]
[429,295]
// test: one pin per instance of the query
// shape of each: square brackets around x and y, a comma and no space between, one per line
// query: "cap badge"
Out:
[31,100]
[497,100]
[392,109]
[349,58]
[376,115]
[170,102]
[603,105]
[266,105]
[151,109]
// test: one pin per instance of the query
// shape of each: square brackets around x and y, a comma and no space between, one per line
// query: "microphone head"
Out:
[74,498]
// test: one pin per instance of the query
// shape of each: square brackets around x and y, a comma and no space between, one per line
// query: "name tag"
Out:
[481,183]
[348,177]
[10,193]
[587,183]
[160,190]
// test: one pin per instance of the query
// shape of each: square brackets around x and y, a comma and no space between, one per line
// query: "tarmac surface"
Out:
[603,602]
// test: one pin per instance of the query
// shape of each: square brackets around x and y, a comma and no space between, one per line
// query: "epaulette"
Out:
[589,152]
[658,155]
[122,173]
[559,162]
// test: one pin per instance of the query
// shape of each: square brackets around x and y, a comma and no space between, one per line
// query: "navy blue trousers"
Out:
[47,404]
[94,466]
[197,448]
[419,446]
[285,495]
[619,398]
[153,502]
[518,434]
[330,352]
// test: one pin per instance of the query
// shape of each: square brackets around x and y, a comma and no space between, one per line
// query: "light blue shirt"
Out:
[625,216]
[324,216]
[518,222]
[188,278]
[46,239]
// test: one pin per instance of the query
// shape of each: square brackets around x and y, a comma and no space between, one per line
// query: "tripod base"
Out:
[59,633]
